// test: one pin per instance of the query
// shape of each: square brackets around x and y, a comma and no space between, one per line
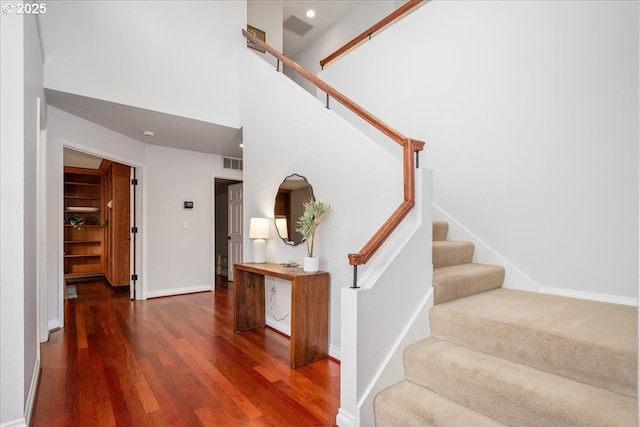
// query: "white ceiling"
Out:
[81,160]
[190,134]
[170,130]
[327,13]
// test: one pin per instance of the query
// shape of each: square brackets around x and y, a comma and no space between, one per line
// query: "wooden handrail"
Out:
[409,6]
[410,147]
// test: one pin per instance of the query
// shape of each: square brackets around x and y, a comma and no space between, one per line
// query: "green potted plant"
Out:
[75,221]
[315,211]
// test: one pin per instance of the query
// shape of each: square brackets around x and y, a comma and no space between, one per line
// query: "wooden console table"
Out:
[309,307]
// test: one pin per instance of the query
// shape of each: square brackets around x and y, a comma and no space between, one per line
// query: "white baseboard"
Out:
[592,296]
[31,400]
[278,326]
[31,397]
[345,419]
[334,351]
[179,291]
[15,423]
[54,324]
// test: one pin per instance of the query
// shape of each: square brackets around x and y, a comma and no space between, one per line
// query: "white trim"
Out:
[54,324]
[31,397]
[592,296]
[59,295]
[345,419]
[217,175]
[140,213]
[179,291]
[20,422]
[41,230]
[40,39]
[141,241]
[335,352]
[212,225]
[278,326]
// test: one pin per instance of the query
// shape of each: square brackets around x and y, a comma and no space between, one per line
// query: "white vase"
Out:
[311,264]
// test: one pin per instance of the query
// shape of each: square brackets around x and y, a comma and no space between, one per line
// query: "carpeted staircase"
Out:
[507,357]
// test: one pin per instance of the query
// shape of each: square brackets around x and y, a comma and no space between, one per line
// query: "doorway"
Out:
[99,222]
[224,260]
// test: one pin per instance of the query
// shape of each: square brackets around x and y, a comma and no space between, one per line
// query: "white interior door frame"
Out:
[214,177]
[140,244]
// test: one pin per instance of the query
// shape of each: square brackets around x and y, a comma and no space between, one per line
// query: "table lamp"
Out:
[259,230]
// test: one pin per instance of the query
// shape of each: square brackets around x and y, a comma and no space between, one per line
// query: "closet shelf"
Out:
[82,255]
[81,183]
[82,197]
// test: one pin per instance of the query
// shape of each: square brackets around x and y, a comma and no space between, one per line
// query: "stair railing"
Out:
[411,148]
[409,6]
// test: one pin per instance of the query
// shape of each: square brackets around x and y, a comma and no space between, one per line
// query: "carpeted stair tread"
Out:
[440,230]
[511,393]
[408,404]
[450,252]
[458,281]
[592,342]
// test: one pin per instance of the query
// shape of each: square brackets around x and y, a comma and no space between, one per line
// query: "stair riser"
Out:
[452,253]
[440,230]
[513,394]
[451,287]
[408,404]
[590,364]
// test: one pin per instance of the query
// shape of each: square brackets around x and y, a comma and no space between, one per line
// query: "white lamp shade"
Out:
[259,228]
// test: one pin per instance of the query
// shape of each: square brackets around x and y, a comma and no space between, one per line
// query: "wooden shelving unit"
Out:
[83,245]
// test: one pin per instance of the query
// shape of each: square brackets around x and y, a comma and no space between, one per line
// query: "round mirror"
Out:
[293,193]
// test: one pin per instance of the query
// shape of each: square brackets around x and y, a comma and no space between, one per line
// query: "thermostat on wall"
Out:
[188,205]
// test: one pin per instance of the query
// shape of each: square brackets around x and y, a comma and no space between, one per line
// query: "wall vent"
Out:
[232,163]
[297,25]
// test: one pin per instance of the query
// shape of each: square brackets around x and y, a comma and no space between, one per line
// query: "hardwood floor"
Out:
[174,361]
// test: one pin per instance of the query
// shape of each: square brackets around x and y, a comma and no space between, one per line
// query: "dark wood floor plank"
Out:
[174,361]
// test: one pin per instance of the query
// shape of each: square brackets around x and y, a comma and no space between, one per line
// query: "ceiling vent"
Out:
[297,25]
[231,163]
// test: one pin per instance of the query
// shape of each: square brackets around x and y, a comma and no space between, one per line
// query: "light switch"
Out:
[185,226]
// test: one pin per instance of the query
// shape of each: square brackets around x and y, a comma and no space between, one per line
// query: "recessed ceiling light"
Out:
[241,145]
[148,133]
[311,13]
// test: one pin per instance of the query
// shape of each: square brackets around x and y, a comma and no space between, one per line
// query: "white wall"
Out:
[286,131]
[530,114]
[180,260]
[163,56]
[267,15]
[21,85]
[361,17]
[12,348]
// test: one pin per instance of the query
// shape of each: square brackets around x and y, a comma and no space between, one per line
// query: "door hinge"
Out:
[134,181]
[134,277]
[134,230]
